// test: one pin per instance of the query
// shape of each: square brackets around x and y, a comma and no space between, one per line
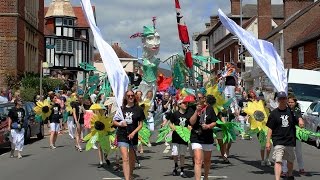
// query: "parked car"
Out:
[312,120]
[32,128]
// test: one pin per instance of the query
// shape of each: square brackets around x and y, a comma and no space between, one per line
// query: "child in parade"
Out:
[54,120]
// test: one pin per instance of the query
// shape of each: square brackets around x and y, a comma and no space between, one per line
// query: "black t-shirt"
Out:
[79,111]
[243,103]
[179,119]
[199,135]
[230,81]
[132,115]
[17,116]
[55,114]
[282,123]
[164,102]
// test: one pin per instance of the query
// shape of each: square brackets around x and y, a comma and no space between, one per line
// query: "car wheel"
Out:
[318,140]
[27,135]
[41,133]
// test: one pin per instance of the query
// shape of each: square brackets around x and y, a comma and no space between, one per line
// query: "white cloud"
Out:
[118,19]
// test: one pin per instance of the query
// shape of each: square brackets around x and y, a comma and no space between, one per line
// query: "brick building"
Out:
[21,37]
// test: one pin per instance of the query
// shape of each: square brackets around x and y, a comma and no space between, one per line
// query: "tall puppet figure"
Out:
[151,44]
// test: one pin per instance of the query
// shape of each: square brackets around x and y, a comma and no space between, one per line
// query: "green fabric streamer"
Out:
[144,134]
[163,132]
[228,130]
[184,133]
[304,134]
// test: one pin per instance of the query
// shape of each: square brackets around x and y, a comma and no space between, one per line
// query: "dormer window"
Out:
[64,27]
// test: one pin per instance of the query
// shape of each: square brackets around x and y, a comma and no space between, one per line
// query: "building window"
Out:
[58,46]
[318,49]
[70,46]
[58,21]
[207,44]
[301,55]
[64,45]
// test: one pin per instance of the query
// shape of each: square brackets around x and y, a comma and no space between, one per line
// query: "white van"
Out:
[305,85]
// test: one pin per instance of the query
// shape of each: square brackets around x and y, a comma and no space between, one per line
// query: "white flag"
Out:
[262,51]
[117,76]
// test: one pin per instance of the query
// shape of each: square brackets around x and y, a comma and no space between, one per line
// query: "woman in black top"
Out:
[78,113]
[54,119]
[202,122]
[127,132]
[15,125]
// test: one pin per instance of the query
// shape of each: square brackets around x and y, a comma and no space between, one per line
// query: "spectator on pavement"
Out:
[3,96]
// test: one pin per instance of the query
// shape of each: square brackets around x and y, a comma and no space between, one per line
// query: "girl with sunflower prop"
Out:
[101,130]
[258,117]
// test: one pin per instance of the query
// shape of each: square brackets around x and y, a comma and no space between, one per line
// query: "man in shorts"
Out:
[281,128]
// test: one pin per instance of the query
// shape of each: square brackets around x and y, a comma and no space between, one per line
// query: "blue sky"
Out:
[118,19]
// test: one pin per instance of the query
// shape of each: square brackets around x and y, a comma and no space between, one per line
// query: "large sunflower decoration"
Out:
[258,115]
[69,103]
[220,99]
[101,128]
[42,110]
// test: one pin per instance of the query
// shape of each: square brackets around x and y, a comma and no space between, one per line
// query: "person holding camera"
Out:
[202,122]
[15,126]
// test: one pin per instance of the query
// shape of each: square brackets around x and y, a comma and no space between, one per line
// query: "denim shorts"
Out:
[127,145]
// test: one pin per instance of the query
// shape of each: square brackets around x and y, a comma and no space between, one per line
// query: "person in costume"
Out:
[294,106]
[179,145]
[151,45]
[78,116]
[127,132]
[15,127]
[54,120]
[202,122]
[282,129]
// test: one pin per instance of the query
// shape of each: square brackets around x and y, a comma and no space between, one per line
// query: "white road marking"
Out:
[216,177]
[166,150]
[113,178]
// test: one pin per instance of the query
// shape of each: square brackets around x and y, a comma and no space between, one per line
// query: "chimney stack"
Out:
[214,20]
[264,18]
[235,7]
[292,6]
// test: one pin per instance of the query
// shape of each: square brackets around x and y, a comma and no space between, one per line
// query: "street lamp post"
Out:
[241,47]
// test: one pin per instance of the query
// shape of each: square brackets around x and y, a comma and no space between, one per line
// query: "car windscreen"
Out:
[305,92]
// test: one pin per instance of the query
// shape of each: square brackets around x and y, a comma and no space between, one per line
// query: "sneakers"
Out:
[52,147]
[19,155]
[263,163]
[175,172]
[268,163]
[183,175]
[149,144]
[100,165]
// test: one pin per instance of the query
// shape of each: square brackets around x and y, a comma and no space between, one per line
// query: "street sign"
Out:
[249,61]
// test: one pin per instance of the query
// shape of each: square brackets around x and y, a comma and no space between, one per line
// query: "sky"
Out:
[119,19]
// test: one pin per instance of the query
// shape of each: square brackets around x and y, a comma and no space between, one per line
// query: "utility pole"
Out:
[241,47]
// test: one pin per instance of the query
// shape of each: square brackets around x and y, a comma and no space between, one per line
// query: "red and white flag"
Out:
[184,36]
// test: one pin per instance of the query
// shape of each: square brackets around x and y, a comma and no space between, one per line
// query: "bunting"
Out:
[184,36]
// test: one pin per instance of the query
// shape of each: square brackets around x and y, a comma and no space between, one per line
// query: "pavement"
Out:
[65,163]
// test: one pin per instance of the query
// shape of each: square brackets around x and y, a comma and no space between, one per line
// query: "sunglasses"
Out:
[130,96]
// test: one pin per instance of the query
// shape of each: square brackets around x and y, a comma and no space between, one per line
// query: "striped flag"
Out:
[184,36]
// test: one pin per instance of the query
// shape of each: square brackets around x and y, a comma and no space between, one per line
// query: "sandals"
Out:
[78,148]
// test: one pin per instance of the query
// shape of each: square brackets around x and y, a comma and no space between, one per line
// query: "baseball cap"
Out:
[282,94]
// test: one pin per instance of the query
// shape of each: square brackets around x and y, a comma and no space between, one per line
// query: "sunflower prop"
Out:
[69,103]
[163,133]
[43,109]
[258,115]
[220,99]
[101,126]
[184,133]
[144,134]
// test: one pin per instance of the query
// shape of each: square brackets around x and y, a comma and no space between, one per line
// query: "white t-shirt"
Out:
[93,98]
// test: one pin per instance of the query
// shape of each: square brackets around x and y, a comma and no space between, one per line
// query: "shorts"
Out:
[281,152]
[55,127]
[179,149]
[127,145]
[204,147]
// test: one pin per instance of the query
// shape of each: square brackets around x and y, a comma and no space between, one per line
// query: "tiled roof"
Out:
[312,31]
[291,19]
[119,51]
